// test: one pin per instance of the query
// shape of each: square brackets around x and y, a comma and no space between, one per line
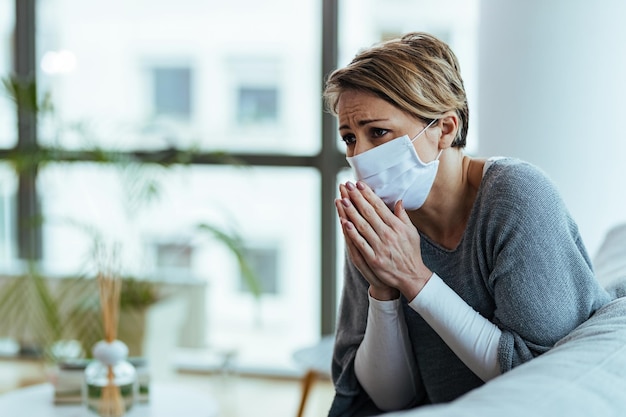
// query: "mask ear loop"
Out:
[424,130]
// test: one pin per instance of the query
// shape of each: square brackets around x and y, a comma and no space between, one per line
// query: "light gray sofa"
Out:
[583,375]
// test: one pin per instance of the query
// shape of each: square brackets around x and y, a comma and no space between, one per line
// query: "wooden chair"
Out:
[315,361]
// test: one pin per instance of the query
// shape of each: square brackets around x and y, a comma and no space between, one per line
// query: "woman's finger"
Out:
[357,258]
[353,251]
[361,221]
[401,213]
[361,236]
[371,207]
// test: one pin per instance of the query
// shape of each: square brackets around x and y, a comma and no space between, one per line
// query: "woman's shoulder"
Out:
[517,196]
[506,172]
[518,185]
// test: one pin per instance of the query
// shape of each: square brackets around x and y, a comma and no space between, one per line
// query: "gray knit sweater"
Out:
[521,263]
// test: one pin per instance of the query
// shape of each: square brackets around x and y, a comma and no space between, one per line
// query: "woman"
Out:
[458,268]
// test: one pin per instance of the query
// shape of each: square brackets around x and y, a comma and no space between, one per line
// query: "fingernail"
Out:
[345,202]
[349,186]
[360,185]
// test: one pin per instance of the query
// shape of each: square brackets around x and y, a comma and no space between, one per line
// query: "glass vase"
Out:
[110,387]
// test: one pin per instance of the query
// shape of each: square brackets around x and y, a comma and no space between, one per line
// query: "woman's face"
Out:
[366,121]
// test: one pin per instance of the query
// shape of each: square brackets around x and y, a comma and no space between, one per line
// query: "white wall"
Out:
[552,88]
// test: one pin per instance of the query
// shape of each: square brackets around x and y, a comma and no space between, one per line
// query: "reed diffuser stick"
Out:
[109,284]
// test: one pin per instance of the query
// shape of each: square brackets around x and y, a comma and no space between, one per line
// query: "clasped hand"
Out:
[383,245]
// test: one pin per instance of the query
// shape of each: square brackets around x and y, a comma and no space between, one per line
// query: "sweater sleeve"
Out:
[541,276]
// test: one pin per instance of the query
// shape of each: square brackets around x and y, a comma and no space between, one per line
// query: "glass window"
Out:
[257,105]
[174,255]
[8,190]
[264,261]
[172,92]
[195,74]
[144,76]
[8,122]
[274,211]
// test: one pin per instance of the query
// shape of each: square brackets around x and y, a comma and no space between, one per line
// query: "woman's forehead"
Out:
[356,109]
[352,103]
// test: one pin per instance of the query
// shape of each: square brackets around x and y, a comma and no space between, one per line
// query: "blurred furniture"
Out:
[166,400]
[316,362]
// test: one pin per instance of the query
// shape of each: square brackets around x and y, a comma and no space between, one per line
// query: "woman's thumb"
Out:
[400,212]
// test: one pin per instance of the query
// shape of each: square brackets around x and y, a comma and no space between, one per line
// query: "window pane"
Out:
[212,75]
[172,92]
[155,213]
[8,187]
[257,105]
[8,123]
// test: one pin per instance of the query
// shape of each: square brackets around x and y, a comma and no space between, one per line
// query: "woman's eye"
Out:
[348,139]
[379,133]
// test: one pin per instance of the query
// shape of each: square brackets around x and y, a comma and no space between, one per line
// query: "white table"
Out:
[166,400]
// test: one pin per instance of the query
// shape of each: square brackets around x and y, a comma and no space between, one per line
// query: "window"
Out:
[172,92]
[259,93]
[174,255]
[263,260]
[176,89]
[7,218]
[257,105]
[8,134]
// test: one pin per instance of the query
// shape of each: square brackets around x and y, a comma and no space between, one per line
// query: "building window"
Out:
[174,256]
[172,91]
[257,105]
[264,263]
[256,83]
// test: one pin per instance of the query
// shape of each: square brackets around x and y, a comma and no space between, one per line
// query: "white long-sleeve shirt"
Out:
[384,360]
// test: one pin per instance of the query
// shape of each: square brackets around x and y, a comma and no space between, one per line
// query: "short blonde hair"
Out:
[417,73]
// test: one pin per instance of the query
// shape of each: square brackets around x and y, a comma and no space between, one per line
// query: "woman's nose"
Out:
[361,146]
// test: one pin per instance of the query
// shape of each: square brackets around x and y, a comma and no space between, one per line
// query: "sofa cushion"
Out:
[610,261]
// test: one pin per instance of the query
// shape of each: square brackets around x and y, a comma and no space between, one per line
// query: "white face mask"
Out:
[395,172]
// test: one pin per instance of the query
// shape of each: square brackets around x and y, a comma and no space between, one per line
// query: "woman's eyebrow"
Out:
[363,123]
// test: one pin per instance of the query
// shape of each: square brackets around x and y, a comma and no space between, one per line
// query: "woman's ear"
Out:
[449,125]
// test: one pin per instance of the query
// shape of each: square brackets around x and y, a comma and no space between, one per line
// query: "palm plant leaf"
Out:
[29,310]
[235,244]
